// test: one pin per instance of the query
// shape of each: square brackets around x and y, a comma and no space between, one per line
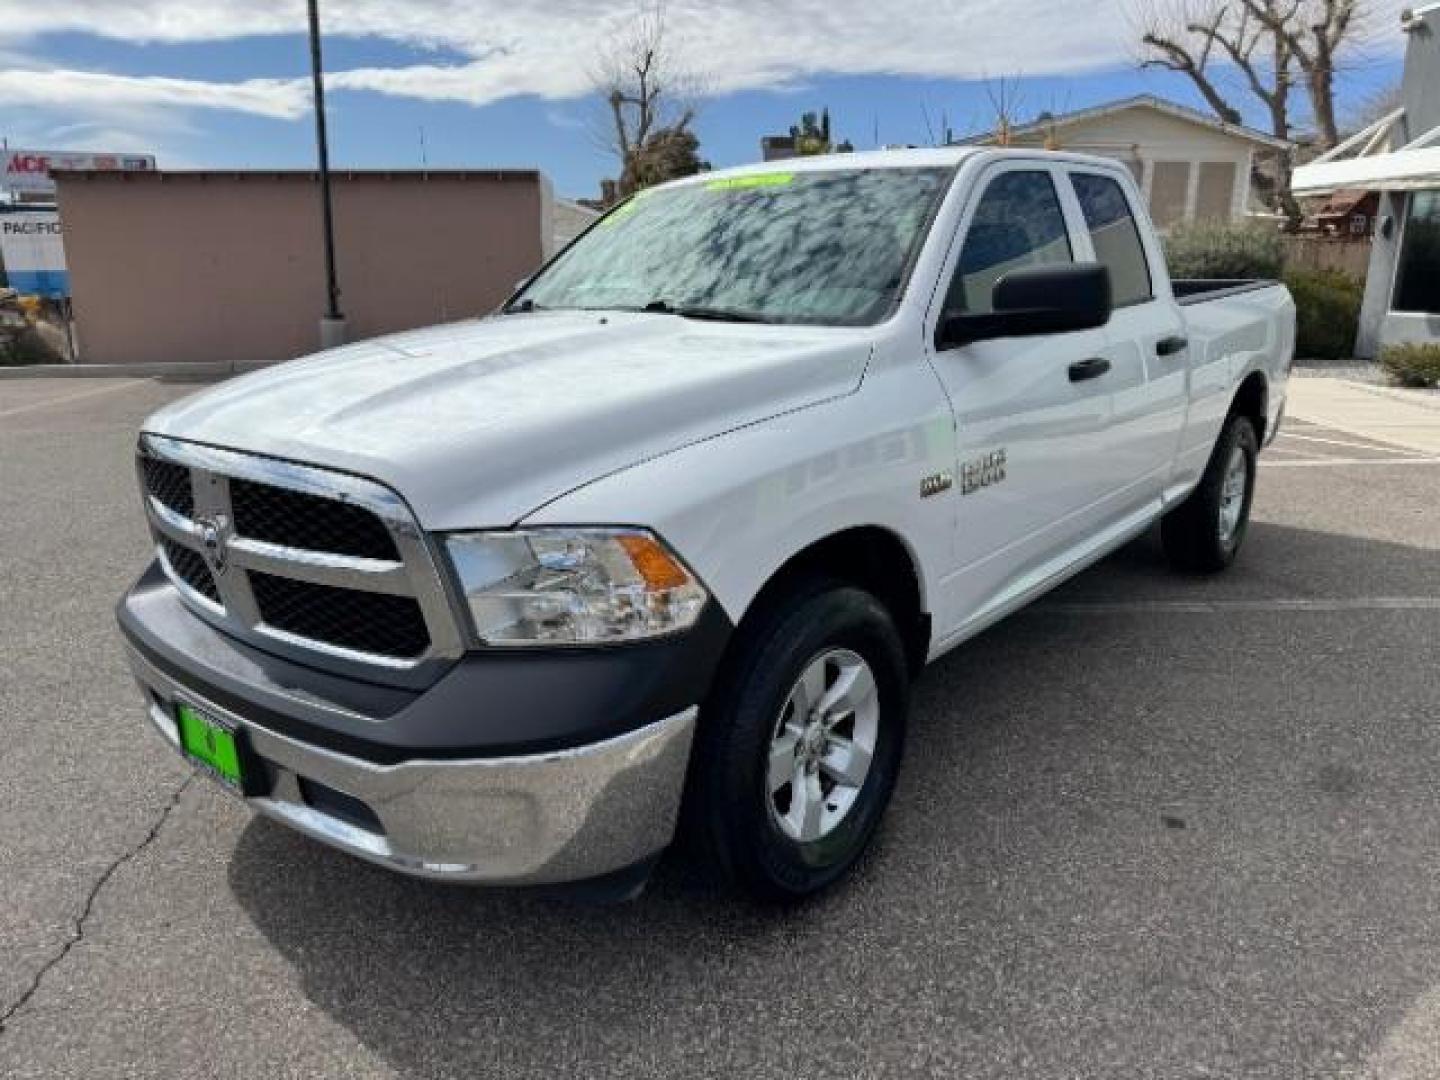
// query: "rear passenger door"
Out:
[1145,344]
[1032,438]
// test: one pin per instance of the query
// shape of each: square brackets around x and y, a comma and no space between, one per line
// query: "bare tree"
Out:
[1271,45]
[996,126]
[1316,32]
[1266,41]
[648,97]
[1185,36]
[1374,106]
[1005,101]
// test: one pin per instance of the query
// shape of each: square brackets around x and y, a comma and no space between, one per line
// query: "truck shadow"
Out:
[1088,865]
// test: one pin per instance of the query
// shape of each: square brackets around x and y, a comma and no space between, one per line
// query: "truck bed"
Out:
[1190,291]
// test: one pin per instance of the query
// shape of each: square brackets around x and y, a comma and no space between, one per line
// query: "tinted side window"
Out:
[1420,257]
[1017,223]
[1116,237]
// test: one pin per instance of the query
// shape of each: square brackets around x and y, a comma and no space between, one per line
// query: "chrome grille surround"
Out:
[415,575]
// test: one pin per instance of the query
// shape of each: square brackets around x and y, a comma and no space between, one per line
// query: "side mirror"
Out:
[1036,300]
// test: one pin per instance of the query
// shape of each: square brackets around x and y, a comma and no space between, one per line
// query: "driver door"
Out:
[1032,414]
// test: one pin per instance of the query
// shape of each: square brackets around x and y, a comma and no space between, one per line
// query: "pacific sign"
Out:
[27,172]
[32,251]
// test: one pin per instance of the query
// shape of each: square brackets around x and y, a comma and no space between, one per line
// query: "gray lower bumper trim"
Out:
[540,819]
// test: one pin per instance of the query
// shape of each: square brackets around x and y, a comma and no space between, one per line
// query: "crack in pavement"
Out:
[77,927]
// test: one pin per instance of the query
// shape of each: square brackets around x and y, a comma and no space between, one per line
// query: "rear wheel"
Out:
[799,748]
[1204,533]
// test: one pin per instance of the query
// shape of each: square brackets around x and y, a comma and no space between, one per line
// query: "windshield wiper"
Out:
[522,307]
[695,311]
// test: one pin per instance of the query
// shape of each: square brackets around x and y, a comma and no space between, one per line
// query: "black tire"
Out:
[728,822]
[1194,538]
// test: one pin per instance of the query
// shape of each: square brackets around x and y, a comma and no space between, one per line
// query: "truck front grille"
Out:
[191,569]
[170,484]
[311,522]
[363,621]
[328,567]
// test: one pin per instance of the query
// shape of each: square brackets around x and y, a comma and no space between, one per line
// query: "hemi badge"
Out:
[935,483]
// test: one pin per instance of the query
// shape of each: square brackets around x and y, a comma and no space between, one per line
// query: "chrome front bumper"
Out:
[545,818]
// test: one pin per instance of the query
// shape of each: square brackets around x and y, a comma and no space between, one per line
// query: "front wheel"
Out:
[1204,533]
[798,750]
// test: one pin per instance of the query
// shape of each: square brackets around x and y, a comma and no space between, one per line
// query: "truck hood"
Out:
[479,423]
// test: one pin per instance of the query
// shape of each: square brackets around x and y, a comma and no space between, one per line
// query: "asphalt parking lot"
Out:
[1152,827]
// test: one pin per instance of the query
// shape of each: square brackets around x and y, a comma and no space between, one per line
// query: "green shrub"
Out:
[1224,251]
[24,347]
[1327,313]
[1412,365]
[1327,302]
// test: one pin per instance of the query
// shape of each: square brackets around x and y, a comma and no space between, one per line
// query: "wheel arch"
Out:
[1252,400]
[872,557]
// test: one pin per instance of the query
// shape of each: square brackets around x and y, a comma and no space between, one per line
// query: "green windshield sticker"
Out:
[624,210]
[734,183]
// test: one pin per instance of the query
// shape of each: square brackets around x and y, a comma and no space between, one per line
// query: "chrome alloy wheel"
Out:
[822,745]
[1232,496]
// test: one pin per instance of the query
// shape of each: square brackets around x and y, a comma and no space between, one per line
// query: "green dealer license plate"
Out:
[213,744]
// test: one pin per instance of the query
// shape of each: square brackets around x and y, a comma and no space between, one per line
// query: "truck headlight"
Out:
[572,586]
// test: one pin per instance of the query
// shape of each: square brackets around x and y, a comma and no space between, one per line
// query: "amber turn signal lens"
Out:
[654,564]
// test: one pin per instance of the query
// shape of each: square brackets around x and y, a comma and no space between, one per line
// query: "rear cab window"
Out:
[1115,235]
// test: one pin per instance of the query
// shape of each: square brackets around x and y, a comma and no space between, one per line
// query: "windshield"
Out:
[805,247]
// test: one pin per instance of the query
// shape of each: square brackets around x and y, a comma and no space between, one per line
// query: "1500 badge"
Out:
[982,472]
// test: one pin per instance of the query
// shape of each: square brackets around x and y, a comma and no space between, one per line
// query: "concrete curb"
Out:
[1421,399]
[1367,411]
[125,371]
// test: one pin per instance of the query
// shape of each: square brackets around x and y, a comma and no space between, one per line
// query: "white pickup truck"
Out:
[655,550]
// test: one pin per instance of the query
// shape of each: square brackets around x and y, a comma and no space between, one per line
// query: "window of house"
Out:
[1116,237]
[1169,190]
[1215,191]
[1017,223]
[1417,283]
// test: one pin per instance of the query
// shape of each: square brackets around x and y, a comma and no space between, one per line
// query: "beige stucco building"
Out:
[227,267]
[1190,166]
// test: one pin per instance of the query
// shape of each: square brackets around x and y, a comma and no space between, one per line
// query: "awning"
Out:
[1403,170]
[1407,168]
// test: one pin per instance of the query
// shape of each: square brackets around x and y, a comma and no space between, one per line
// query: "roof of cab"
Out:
[923,157]
[942,156]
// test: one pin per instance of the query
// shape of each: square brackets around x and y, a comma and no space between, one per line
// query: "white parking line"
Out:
[1330,463]
[1215,607]
[1342,442]
[93,392]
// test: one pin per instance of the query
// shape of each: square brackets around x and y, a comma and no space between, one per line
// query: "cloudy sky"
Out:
[503,82]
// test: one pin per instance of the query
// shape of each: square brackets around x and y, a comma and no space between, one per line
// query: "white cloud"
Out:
[86,90]
[139,129]
[512,49]
[564,119]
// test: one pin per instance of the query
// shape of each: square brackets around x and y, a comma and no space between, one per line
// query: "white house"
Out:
[1191,166]
[1398,156]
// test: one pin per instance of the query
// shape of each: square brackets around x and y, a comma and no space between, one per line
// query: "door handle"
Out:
[1171,345]
[1089,369]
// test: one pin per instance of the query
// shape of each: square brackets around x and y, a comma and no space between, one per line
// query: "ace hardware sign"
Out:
[27,172]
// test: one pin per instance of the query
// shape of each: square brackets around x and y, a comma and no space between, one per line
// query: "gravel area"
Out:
[1363,371]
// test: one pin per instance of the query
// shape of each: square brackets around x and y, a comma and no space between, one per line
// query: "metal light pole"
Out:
[332,325]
